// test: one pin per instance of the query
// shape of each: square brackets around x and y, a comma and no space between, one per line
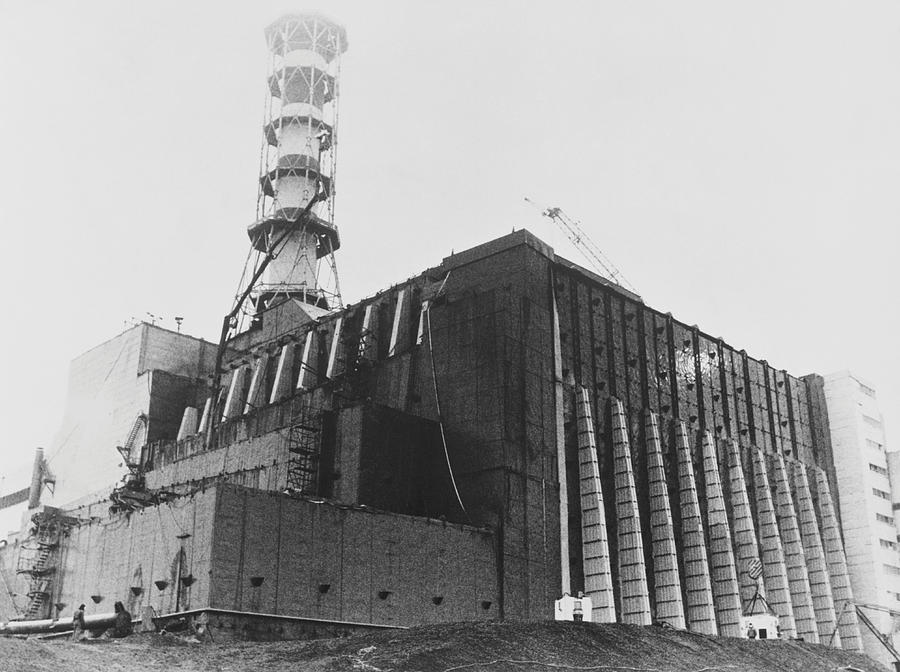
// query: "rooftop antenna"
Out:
[583,242]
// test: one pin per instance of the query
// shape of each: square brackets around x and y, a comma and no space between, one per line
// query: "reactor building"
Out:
[504,428]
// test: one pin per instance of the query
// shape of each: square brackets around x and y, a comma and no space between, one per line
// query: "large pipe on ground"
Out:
[47,626]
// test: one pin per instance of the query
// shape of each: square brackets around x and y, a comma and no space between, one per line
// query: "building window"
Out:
[892,569]
[878,469]
[896,596]
[881,518]
[872,422]
[874,445]
[887,544]
[881,493]
[866,390]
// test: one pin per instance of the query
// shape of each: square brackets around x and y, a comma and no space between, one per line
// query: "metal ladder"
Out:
[37,563]
[304,444]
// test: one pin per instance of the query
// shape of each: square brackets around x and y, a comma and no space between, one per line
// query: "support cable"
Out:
[437,403]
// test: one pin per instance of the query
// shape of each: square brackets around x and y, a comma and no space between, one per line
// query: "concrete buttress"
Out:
[698,595]
[399,327]
[234,402]
[598,583]
[666,579]
[335,351]
[721,556]
[282,386]
[633,590]
[256,394]
[188,425]
[746,548]
[819,581]
[307,376]
[794,557]
[778,591]
[848,622]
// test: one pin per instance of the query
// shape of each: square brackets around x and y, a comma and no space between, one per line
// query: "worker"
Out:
[123,626]
[78,624]
[751,631]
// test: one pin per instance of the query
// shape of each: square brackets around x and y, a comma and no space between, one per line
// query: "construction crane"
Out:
[581,240]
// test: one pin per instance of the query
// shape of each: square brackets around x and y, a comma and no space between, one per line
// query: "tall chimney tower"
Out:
[298,160]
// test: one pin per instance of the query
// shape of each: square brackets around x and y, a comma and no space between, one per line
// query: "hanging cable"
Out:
[437,403]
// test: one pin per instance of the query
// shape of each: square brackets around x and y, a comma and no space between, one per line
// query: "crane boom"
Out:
[581,240]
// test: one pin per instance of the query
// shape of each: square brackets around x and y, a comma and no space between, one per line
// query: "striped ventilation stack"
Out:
[632,570]
[794,558]
[819,581]
[848,622]
[598,583]
[774,571]
[666,581]
[721,556]
[699,606]
[746,548]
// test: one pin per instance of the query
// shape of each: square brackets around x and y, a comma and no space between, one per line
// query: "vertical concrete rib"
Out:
[634,594]
[595,549]
[188,426]
[819,581]
[335,355]
[746,548]
[848,623]
[234,402]
[666,579]
[721,556]
[307,377]
[698,596]
[559,401]
[256,394]
[399,323]
[367,344]
[204,417]
[778,591]
[282,386]
[794,558]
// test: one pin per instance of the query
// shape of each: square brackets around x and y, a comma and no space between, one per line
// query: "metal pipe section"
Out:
[37,475]
[47,626]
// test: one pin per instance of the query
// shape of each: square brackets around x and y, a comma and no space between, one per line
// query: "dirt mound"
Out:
[464,647]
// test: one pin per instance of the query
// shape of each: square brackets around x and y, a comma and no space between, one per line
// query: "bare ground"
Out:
[464,647]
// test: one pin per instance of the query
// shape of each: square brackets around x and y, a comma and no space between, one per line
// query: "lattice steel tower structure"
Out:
[298,160]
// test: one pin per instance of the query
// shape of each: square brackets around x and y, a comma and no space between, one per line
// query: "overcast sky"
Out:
[739,162]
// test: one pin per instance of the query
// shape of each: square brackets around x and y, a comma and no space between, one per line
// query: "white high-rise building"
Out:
[868,479]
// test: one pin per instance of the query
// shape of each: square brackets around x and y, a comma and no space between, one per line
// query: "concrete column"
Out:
[282,386]
[698,595]
[559,408]
[666,578]
[778,591]
[794,558]
[367,343]
[307,378]
[721,556]
[633,590]
[848,622]
[256,393]
[819,581]
[188,425]
[204,417]
[234,402]
[746,548]
[400,324]
[598,584]
[335,352]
